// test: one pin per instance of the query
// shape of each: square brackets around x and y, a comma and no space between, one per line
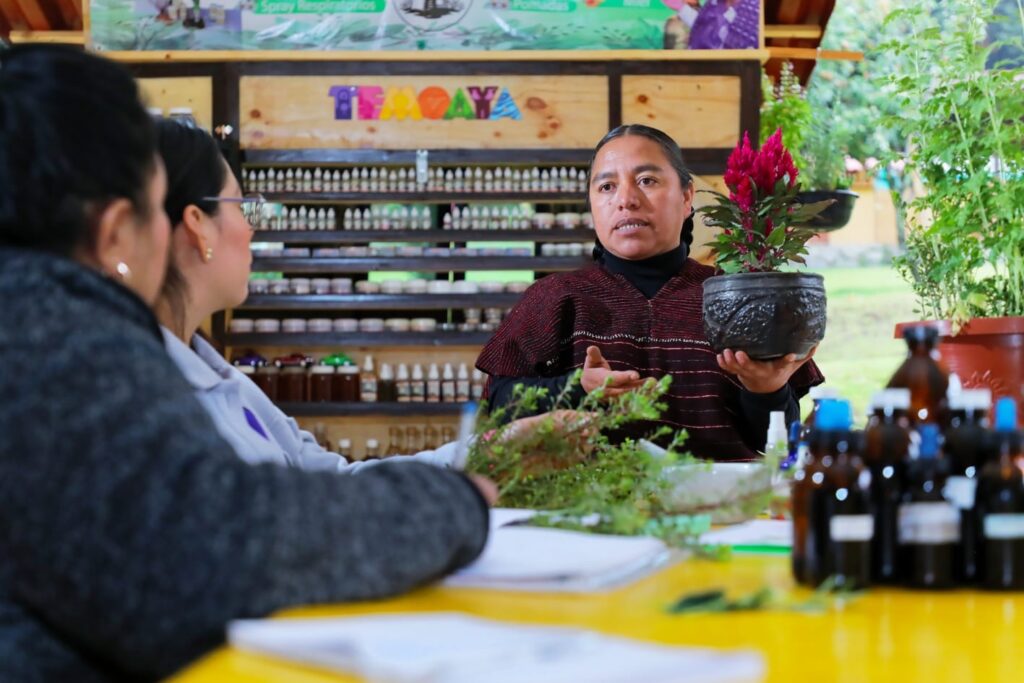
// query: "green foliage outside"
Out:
[964,123]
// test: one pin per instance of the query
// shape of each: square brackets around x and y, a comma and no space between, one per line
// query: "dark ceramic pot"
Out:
[767,315]
[835,216]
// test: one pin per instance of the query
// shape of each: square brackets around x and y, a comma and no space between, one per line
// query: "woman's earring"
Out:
[124,271]
[209,254]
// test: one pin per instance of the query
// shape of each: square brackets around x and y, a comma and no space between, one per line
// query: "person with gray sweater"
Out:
[130,533]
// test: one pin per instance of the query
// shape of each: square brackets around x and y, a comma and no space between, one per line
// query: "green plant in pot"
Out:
[812,144]
[963,118]
[754,307]
[824,171]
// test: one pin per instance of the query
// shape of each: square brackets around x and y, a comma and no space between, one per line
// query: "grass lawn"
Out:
[859,353]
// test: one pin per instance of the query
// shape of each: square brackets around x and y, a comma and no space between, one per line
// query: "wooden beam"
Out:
[803,31]
[71,12]
[35,17]
[808,53]
[64,37]
[150,56]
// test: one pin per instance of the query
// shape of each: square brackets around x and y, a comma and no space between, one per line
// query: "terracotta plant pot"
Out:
[988,353]
[767,315]
[835,216]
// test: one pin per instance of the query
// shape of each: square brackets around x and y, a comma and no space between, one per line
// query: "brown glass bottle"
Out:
[844,501]
[810,532]
[929,526]
[396,441]
[268,378]
[966,447]
[886,446]
[923,374]
[1000,506]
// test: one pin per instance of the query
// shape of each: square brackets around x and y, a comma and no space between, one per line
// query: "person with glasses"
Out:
[208,271]
[131,533]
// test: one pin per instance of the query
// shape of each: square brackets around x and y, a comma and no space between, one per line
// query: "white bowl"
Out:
[731,491]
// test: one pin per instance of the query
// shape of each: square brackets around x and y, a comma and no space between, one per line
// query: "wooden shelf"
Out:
[349,339]
[407,157]
[427,264]
[423,197]
[369,409]
[429,236]
[384,302]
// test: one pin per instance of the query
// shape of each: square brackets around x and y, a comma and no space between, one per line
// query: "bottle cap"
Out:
[928,446]
[821,392]
[955,386]
[344,443]
[794,431]
[918,333]
[1006,415]
[834,415]
[891,399]
[372,443]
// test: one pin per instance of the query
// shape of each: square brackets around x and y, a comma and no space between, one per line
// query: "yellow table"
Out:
[886,635]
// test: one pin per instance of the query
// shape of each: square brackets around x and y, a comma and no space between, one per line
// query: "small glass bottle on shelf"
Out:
[372,450]
[1000,505]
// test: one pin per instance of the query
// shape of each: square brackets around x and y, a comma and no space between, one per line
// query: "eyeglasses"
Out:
[251,203]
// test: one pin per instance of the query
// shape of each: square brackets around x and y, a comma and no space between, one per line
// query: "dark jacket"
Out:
[130,533]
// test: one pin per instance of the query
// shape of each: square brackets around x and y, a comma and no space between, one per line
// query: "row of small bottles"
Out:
[403,179]
[927,495]
[377,217]
[336,379]
[401,441]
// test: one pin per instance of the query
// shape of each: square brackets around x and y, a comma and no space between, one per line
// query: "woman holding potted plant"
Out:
[636,313]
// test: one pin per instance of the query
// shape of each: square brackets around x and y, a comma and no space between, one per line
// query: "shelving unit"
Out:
[432,236]
[357,339]
[422,264]
[372,409]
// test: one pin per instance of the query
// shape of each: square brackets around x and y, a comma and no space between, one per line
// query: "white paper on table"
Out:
[454,648]
[764,532]
[542,559]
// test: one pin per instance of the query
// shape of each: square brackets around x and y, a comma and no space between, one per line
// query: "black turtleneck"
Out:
[648,275]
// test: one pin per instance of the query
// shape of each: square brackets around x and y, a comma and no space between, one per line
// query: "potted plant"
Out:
[753,307]
[824,171]
[812,144]
[963,118]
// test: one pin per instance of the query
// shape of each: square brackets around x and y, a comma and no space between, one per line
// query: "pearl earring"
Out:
[209,254]
[123,270]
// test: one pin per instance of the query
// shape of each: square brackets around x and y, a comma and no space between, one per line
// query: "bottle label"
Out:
[1004,526]
[448,390]
[928,524]
[462,390]
[847,528]
[368,391]
[960,492]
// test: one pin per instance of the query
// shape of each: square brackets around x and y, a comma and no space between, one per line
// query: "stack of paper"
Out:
[539,559]
[455,648]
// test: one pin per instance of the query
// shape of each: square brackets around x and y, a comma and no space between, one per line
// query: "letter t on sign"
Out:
[343,100]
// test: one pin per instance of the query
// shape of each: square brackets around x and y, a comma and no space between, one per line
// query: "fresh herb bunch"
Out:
[572,470]
[761,218]
[963,116]
[826,164]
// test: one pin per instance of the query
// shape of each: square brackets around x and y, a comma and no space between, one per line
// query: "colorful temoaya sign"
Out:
[424,24]
[409,112]
[373,102]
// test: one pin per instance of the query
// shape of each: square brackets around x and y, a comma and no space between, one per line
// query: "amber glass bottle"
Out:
[845,507]
[1000,505]
[929,526]
[886,446]
[922,373]
[832,424]
[966,444]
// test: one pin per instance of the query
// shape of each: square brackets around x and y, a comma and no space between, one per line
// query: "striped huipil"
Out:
[547,334]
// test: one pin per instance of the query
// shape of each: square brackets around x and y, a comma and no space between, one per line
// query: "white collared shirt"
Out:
[255,427]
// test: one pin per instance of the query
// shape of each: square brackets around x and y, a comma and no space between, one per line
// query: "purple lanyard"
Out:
[254,423]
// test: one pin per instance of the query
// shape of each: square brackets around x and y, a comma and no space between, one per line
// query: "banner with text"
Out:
[424,24]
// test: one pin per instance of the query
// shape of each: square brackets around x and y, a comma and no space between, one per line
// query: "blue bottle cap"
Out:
[928,448]
[834,415]
[1006,415]
[794,431]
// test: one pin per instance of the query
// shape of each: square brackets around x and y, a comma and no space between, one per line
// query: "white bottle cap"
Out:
[891,399]
[822,391]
